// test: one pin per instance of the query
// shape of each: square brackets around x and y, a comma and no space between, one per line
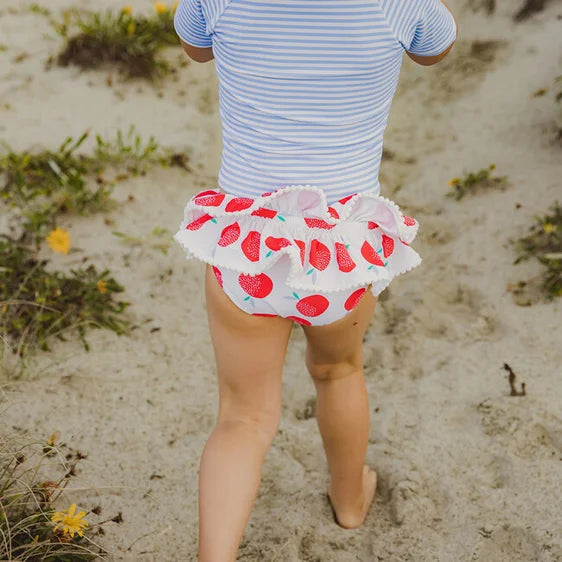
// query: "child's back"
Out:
[306,86]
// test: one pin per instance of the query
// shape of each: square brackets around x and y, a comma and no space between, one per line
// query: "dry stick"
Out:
[511,379]
[160,533]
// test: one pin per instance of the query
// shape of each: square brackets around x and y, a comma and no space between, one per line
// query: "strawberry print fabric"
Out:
[266,294]
[289,253]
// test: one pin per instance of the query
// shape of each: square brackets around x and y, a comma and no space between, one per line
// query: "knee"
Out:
[264,422]
[322,372]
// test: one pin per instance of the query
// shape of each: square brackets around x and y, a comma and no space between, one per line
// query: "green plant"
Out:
[160,239]
[545,243]
[49,183]
[131,42]
[130,151]
[37,304]
[476,181]
[127,149]
[43,186]
[36,8]
[31,529]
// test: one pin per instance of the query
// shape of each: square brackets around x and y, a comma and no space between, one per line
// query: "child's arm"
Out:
[428,61]
[437,22]
[198,54]
[191,27]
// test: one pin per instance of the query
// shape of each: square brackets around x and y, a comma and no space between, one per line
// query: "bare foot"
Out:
[349,520]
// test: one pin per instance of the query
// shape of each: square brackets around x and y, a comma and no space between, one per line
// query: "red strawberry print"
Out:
[345,263]
[209,198]
[408,221]
[372,225]
[198,223]
[251,246]
[387,245]
[353,299]
[218,275]
[333,213]
[344,200]
[318,223]
[302,247]
[405,243]
[300,320]
[276,243]
[263,314]
[257,286]
[313,305]
[266,194]
[369,253]
[238,204]
[229,234]
[319,255]
[207,192]
[265,213]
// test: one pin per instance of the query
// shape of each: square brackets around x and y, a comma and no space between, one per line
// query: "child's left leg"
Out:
[249,352]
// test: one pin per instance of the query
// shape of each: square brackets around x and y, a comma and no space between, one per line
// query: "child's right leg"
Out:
[334,358]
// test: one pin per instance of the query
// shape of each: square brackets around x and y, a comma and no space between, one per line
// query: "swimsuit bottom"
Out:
[288,253]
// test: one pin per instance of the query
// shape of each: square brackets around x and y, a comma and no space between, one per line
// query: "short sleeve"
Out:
[190,24]
[422,27]
[433,31]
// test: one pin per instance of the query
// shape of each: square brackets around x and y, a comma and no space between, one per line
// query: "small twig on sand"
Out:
[511,379]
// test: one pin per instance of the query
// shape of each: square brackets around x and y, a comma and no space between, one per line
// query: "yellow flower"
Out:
[69,523]
[131,28]
[175,6]
[548,227]
[59,240]
[160,7]
[128,9]
[454,182]
[102,287]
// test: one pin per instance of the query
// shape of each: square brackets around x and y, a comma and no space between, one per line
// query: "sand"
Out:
[466,471]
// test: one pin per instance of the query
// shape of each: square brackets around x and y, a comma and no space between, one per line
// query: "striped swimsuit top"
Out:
[305,86]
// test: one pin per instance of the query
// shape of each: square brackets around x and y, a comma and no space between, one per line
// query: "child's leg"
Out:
[249,352]
[334,358]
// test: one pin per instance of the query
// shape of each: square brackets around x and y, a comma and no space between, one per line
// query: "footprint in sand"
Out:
[409,500]
[507,544]
[521,428]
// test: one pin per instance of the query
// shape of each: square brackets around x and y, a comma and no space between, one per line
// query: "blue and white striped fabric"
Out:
[305,86]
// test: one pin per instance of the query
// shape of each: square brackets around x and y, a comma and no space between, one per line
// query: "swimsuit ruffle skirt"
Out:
[288,253]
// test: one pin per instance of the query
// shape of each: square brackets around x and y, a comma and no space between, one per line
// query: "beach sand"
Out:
[465,471]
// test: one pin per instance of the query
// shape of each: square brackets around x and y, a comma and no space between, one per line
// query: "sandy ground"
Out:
[466,472]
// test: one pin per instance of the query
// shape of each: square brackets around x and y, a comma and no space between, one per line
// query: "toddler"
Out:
[296,230]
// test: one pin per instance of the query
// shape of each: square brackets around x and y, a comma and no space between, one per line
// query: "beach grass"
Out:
[31,527]
[474,182]
[41,187]
[544,242]
[130,42]
[37,302]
